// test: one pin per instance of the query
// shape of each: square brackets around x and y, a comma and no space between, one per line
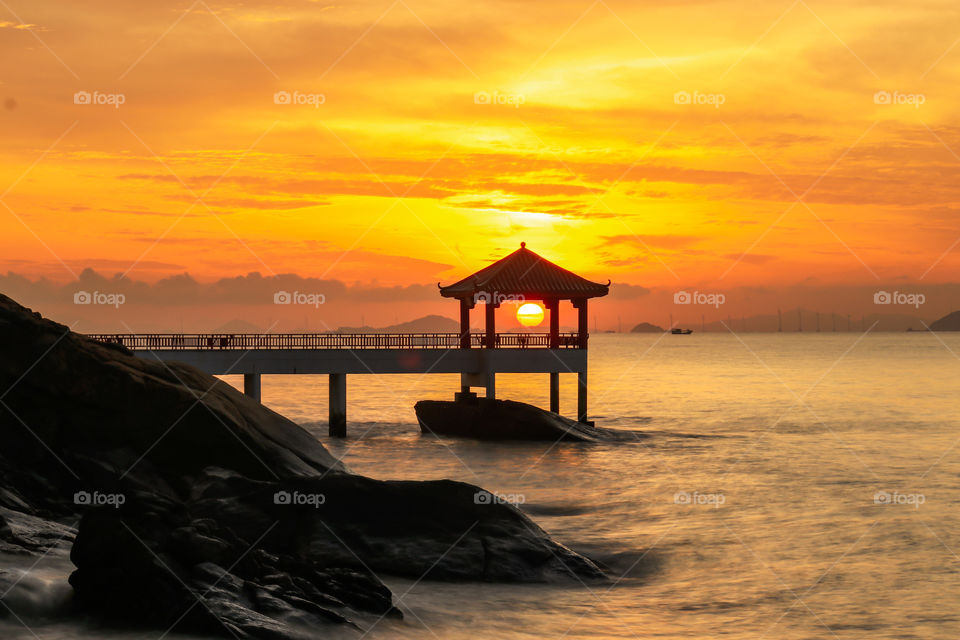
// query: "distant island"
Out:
[949,322]
[646,327]
[427,324]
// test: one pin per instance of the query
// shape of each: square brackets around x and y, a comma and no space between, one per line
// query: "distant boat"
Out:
[681,332]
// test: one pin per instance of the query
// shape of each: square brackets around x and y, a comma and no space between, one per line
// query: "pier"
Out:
[477,356]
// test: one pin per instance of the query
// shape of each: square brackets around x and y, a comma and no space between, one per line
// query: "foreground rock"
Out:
[204,511]
[486,419]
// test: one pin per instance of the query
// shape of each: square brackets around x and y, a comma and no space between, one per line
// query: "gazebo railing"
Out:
[279,341]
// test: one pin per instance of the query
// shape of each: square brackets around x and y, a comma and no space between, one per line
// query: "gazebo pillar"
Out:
[555,391]
[583,324]
[554,307]
[465,306]
[491,338]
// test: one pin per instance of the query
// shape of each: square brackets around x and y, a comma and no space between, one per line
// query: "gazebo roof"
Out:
[523,272]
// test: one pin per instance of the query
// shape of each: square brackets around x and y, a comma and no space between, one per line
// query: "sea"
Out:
[790,486]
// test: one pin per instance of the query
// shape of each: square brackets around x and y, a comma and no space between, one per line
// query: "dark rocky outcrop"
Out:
[25,534]
[204,511]
[487,419]
[949,322]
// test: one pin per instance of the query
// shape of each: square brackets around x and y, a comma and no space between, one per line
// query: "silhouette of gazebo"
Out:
[524,275]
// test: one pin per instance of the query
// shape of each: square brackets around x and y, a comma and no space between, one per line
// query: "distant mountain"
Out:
[427,324]
[949,322]
[794,320]
[646,327]
[238,326]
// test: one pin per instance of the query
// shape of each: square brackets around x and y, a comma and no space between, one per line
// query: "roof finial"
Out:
[523,245]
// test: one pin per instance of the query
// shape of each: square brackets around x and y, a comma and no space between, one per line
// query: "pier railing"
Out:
[249,341]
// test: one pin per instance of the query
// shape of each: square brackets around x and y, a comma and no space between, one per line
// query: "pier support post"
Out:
[338,405]
[491,385]
[251,385]
[582,396]
[555,391]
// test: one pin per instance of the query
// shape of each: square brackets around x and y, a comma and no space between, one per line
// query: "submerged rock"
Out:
[494,419]
[205,511]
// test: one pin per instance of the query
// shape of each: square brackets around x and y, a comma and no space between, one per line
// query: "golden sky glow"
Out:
[713,144]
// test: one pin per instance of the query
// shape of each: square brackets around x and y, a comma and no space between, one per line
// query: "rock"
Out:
[21,533]
[150,564]
[949,322]
[646,327]
[486,419]
[204,511]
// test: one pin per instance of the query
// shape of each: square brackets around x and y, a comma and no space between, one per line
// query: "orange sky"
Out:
[405,175]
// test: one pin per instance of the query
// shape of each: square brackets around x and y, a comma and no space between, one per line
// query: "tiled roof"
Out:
[523,272]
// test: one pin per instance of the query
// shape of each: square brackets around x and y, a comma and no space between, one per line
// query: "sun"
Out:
[530,314]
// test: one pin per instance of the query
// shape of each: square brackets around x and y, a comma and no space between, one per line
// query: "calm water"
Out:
[751,512]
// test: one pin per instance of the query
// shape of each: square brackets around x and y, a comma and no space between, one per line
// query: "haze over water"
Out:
[793,486]
[798,435]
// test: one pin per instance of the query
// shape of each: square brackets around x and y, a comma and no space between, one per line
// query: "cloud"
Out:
[262,204]
[184,290]
[399,118]
[750,258]
[623,291]
[662,241]
[19,25]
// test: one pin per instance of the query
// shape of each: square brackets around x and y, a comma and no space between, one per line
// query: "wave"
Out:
[558,510]
[620,418]
[32,594]
[624,564]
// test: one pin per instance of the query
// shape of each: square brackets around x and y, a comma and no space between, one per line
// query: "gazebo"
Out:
[524,275]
